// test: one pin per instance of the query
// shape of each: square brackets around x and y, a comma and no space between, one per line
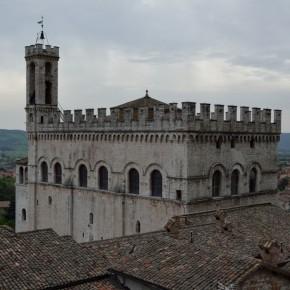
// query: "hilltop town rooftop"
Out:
[240,246]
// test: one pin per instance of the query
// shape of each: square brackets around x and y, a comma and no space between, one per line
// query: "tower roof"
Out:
[145,101]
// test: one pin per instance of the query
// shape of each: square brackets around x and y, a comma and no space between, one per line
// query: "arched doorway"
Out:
[103,178]
[83,176]
[133,181]
[235,180]
[216,183]
[253,180]
[156,183]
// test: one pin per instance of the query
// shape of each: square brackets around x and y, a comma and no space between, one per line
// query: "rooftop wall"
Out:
[166,117]
[40,49]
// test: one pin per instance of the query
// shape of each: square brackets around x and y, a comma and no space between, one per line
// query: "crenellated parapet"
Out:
[167,117]
[40,50]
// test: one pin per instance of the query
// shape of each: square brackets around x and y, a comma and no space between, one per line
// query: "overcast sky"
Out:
[215,51]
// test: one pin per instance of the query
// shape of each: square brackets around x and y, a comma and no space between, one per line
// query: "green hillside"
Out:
[13,145]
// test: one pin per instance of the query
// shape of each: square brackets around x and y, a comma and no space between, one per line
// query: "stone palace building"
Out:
[108,173]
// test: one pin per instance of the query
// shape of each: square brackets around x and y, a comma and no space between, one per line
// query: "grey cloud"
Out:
[161,44]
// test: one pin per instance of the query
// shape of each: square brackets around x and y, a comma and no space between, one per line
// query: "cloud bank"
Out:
[225,52]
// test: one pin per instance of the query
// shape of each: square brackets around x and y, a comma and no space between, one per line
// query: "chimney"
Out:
[272,253]
[223,221]
[174,224]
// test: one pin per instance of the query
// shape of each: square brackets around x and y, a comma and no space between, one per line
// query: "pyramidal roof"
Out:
[145,101]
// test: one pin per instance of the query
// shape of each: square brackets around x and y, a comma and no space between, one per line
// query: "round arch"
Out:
[217,180]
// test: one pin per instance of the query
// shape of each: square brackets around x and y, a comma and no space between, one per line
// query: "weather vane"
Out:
[41,23]
[42,36]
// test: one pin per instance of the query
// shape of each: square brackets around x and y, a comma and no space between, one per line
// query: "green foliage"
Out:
[13,145]
[5,221]
[7,193]
[7,188]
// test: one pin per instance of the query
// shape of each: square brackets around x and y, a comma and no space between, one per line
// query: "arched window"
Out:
[57,173]
[91,218]
[26,175]
[47,69]
[23,214]
[103,178]
[219,143]
[133,181]
[235,179]
[49,200]
[48,99]
[216,183]
[44,172]
[21,175]
[48,85]
[253,180]
[252,143]
[138,227]
[83,176]
[32,84]
[233,143]
[156,183]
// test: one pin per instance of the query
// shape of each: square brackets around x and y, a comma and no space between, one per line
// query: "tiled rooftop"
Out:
[40,259]
[145,101]
[200,254]
[197,253]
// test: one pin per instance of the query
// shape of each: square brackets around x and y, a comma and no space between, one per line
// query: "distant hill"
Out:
[13,141]
[284,145]
[13,145]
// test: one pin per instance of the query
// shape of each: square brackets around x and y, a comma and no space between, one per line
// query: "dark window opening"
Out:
[23,213]
[48,99]
[41,120]
[219,143]
[156,183]
[150,114]
[135,114]
[57,173]
[48,70]
[178,195]
[216,183]
[21,174]
[235,178]
[103,178]
[30,117]
[138,227]
[83,176]
[26,175]
[252,143]
[233,143]
[91,218]
[32,84]
[44,172]
[253,180]
[133,181]
[49,200]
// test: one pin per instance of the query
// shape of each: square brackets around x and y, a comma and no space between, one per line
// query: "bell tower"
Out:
[41,82]
[41,75]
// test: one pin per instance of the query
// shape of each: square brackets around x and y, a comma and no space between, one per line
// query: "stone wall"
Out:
[67,211]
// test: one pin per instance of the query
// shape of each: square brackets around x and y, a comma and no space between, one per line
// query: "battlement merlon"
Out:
[166,117]
[41,50]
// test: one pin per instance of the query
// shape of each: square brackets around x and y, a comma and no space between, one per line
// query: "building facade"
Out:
[97,175]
